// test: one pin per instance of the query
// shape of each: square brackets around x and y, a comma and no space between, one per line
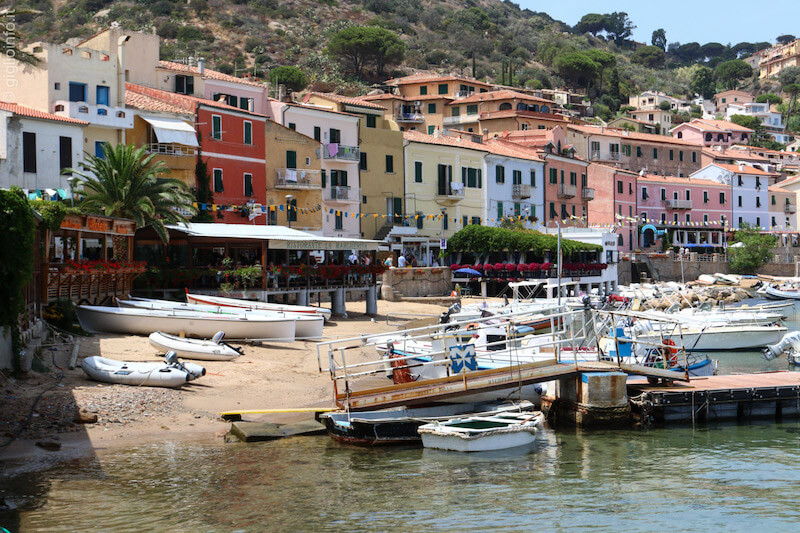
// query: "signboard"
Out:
[443,244]
[462,358]
[322,245]
[92,224]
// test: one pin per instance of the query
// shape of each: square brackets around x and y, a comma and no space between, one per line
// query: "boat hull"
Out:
[202,350]
[247,304]
[777,294]
[483,444]
[137,374]
[104,319]
[719,339]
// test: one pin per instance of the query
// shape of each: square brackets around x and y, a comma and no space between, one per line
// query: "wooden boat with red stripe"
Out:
[205,299]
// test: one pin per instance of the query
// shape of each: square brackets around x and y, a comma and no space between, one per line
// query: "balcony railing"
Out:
[521,190]
[97,115]
[789,208]
[613,156]
[566,191]
[409,117]
[343,193]
[170,149]
[449,190]
[587,193]
[594,154]
[298,178]
[341,152]
[678,204]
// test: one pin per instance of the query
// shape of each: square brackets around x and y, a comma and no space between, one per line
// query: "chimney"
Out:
[201,66]
[741,167]
[281,92]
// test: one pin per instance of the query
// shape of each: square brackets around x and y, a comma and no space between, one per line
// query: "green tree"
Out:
[649,56]
[703,82]
[769,98]
[361,45]
[659,39]
[605,59]
[755,250]
[619,27]
[292,77]
[126,182]
[785,39]
[730,73]
[577,67]
[747,121]
[789,76]
[665,106]
[593,23]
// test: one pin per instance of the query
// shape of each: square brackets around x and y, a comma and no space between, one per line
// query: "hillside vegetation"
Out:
[497,39]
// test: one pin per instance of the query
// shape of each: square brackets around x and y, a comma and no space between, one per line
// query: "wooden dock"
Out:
[736,397]
[432,390]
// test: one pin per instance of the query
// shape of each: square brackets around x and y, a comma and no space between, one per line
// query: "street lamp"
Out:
[289,198]
[71,181]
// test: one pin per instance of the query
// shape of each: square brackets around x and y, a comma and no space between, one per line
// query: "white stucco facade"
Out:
[516,188]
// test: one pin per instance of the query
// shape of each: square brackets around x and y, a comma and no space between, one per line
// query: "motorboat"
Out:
[213,349]
[399,425]
[708,336]
[481,433]
[308,327]
[191,323]
[169,373]
[781,294]
[253,305]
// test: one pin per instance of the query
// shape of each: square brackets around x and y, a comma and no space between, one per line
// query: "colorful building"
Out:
[494,112]
[782,209]
[775,59]
[724,99]
[614,203]
[708,132]
[514,183]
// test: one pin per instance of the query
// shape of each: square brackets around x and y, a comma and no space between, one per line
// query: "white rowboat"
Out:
[203,325]
[482,433]
[201,349]
[264,306]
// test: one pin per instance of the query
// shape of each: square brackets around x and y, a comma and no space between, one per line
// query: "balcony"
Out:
[460,119]
[340,152]
[450,194]
[342,194]
[297,178]
[567,191]
[594,155]
[521,191]
[587,193]
[414,118]
[171,149]
[613,156]
[96,115]
[790,209]
[678,204]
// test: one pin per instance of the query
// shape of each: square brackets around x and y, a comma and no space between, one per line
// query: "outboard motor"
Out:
[193,371]
[445,317]
[790,342]
[218,336]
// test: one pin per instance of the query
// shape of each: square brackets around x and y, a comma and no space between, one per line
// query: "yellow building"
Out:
[498,111]
[293,178]
[381,165]
[777,58]
[444,188]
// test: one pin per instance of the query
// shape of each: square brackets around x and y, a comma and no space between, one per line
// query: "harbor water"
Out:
[740,478]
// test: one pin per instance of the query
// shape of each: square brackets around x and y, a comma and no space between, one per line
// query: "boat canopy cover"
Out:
[172,130]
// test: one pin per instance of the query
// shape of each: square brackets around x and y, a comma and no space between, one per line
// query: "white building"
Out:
[771,120]
[35,146]
[514,183]
[605,280]
[338,133]
[750,191]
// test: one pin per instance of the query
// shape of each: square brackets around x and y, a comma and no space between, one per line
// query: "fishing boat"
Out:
[481,433]
[781,294]
[708,337]
[204,325]
[252,305]
[161,374]
[202,349]
[308,327]
[399,425]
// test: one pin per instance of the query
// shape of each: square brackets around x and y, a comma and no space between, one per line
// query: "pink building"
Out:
[614,203]
[708,132]
[692,210]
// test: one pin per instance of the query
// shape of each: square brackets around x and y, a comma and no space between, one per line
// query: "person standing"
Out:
[401,261]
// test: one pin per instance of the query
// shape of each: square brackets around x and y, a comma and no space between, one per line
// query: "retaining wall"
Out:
[415,282]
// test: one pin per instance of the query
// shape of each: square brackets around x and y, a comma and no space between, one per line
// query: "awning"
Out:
[172,130]
[64,194]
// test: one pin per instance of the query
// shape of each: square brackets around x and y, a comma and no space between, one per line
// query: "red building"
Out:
[614,202]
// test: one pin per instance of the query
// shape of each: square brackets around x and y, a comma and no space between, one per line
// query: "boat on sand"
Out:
[212,349]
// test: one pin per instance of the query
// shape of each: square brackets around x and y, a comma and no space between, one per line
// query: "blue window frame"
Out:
[98,149]
[102,95]
[77,92]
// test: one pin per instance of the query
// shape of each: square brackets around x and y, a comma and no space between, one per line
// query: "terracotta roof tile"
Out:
[734,154]
[500,95]
[208,73]
[750,171]
[707,124]
[40,115]
[158,100]
[431,78]
[508,113]
[347,100]
[652,178]
[625,134]
[493,146]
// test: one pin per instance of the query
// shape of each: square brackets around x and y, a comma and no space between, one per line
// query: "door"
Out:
[291,159]
[65,152]
[102,95]
[398,210]
[443,181]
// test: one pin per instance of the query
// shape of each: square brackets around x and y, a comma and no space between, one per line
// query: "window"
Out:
[420,219]
[517,209]
[418,171]
[184,84]
[362,161]
[626,149]
[671,155]
[338,225]
[291,159]
[229,99]
[758,222]
[644,193]
[638,151]
[655,153]
[740,181]
[77,92]
[455,111]
[758,201]
[472,109]
[335,136]
[739,201]
[644,216]
[663,194]
[57,86]
[98,149]
[500,174]
[390,164]
[516,177]
[317,133]
[595,149]
[773,199]
[423,90]
[431,130]
[102,95]
[471,177]
[28,151]
[630,188]
[553,176]
[248,132]
[573,178]
[688,218]
[553,211]
[364,199]
[65,153]
[722,198]
[533,178]
[245,103]
[705,220]
[663,218]
[500,212]
[323,177]
[675,217]
[688,194]
[694,157]
[432,107]
[773,221]
[465,221]
[740,222]
[442,88]
[372,121]
[216,127]
[218,186]
[620,187]
[291,210]
[248,184]
[583,180]
[705,197]
[680,155]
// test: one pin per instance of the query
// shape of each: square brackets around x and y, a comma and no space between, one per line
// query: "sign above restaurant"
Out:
[322,245]
[94,224]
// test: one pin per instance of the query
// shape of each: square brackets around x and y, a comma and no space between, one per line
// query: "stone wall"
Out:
[669,269]
[416,282]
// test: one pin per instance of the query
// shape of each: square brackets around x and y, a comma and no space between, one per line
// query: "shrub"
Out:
[193,33]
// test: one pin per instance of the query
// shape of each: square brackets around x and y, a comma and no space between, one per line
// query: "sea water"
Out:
[707,478]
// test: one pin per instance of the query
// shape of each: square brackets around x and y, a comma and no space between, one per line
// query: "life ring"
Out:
[400,371]
[672,353]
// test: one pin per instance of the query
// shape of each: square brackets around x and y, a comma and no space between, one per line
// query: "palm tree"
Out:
[126,182]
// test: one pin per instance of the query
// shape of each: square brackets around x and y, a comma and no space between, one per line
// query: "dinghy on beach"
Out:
[163,374]
[202,349]
[205,299]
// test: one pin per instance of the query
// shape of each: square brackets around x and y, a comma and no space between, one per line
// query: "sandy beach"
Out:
[268,376]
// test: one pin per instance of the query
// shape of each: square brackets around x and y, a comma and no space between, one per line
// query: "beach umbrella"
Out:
[468,271]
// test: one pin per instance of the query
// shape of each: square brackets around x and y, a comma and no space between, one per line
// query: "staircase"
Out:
[383,231]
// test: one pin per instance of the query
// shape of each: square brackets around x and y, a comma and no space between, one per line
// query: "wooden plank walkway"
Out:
[432,390]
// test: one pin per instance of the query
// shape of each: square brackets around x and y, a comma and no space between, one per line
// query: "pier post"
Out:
[590,399]
[337,302]
[372,300]
[302,297]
